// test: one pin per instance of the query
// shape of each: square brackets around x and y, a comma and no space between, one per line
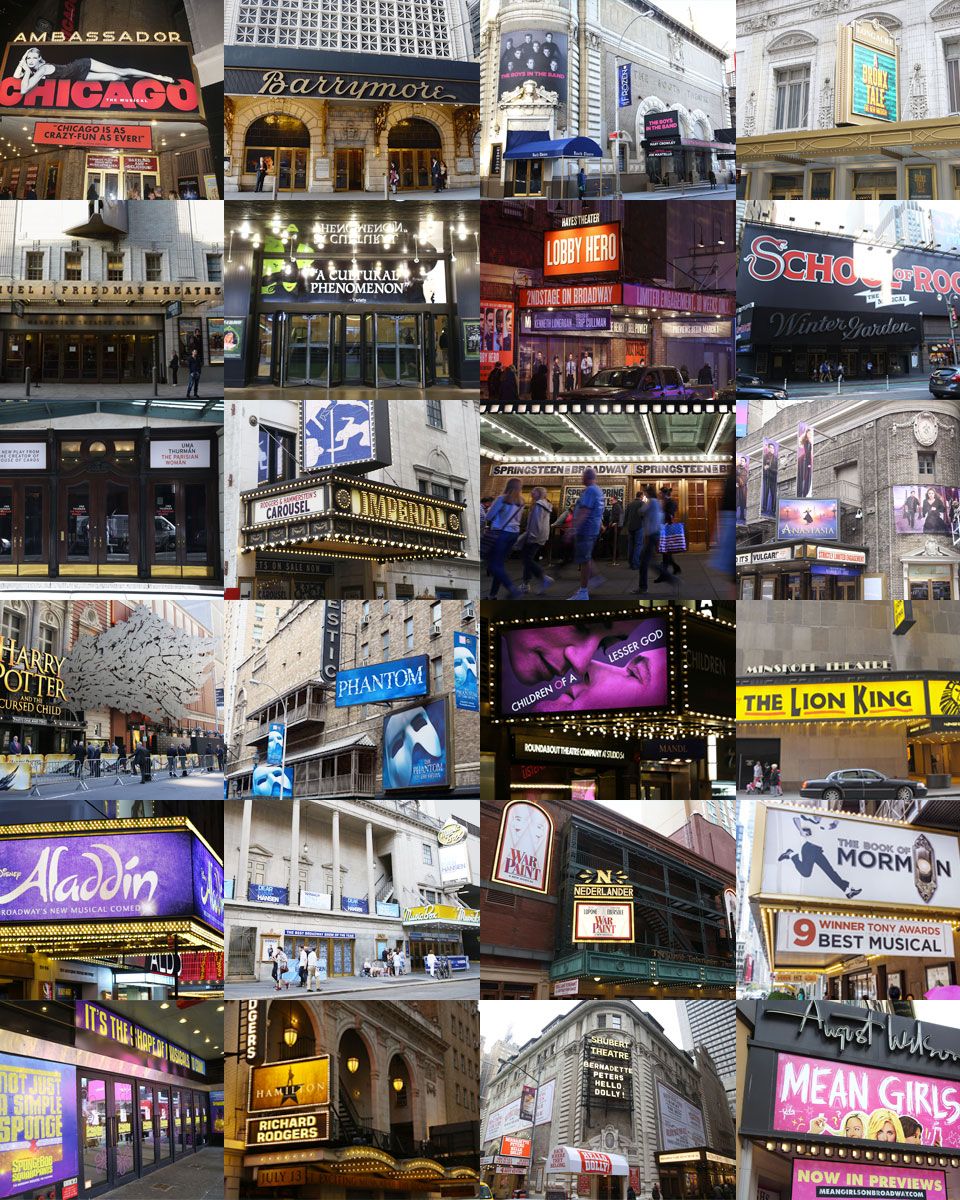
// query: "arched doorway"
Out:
[402,1140]
[412,144]
[289,1032]
[355,1105]
[284,142]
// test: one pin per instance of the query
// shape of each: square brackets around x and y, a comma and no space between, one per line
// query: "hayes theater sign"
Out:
[793,269]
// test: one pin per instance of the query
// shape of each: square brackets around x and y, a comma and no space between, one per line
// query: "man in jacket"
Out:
[652,519]
[633,523]
[535,538]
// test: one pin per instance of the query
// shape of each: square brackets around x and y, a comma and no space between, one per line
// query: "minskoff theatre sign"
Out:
[792,269]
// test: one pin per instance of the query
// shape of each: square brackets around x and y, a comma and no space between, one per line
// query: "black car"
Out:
[859,783]
[945,381]
[632,383]
[745,379]
[730,392]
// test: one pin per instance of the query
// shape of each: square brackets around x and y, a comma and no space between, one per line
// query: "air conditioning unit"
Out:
[365,619]
[437,629]
[469,611]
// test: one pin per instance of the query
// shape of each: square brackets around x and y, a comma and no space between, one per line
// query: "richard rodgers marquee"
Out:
[819,856]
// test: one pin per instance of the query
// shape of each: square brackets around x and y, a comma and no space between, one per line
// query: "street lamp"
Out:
[647,12]
[353,1065]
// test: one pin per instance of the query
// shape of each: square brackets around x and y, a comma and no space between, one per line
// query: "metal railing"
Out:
[310,710]
[27,772]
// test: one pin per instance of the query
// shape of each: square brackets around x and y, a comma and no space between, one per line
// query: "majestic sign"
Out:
[397,680]
[593,666]
[594,250]
[602,922]
[418,746]
[608,1063]
[571,296]
[681,1123]
[466,671]
[110,876]
[69,133]
[575,320]
[925,508]
[300,1129]
[38,1124]
[814,1179]
[112,1027]
[822,1097]
[826,936]
[337,433]
[537,55]
[179,455]
[524,846]
[299,1083]
[330,652]
[154,79]
[808,519]
[810,855]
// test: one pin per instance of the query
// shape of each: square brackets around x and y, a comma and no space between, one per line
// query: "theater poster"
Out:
[497,336]
[804,460]
[743,485]
[540,55]
[769,478]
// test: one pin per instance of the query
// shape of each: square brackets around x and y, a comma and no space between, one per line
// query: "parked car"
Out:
[632,383]
[736,391]
[859,783]
[748,380]
[945,381]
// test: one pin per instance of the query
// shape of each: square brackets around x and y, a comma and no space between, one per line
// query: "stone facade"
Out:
[422,453]
[865,448]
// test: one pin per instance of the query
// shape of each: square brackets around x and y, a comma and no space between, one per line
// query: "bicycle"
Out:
[442,969]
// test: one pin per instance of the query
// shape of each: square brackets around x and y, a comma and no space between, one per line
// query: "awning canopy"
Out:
[574,147]
[523,137]
[585,1162]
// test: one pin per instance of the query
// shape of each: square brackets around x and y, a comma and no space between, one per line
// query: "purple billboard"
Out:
[582,667]
[808,518]
[109,876]
[38,1128]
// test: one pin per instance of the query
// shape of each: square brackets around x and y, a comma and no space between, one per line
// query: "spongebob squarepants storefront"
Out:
[339,1101]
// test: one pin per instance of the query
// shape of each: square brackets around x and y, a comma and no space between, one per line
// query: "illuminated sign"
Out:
[112,1027]
[602,922]
[30,683]
[847,701]
[338,433]
[114,875]
[571,295]
[874,83]
[302,1129]
[608,1061]
[155,78]
[38,1124]
[524,846]
[349,85]
[681,1123]
[23,456]
[395,680]
[466,674]
[662,124]
[302,1083]
[803,518]
[824,936]
[253,1032]
[602,885]
[69,133]
[594,250]
[418,746]
[176,455]
[279,1176]
[514,1147]
[150,293]
[439,914]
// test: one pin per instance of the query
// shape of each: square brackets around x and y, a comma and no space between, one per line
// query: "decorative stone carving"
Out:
[826,104]
[918,93]
[750,116]
[229,116]
[676,50]
[466,122]
[323,116]
[380,115]
[791,41]
[758,23]
[529,93]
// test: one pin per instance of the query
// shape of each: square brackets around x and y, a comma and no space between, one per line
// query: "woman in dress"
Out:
[33,69]
[934,512]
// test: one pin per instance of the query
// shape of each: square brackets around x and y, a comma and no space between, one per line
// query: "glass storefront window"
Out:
[195,521]
[93,1131]
[164,523]
[148,1145]
[163,1124]
[123,1118]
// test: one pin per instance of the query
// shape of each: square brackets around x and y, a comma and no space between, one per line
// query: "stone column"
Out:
[240,881]
[371,878]
[336,861]
[294,897]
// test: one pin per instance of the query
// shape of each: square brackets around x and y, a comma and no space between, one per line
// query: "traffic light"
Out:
[953,314]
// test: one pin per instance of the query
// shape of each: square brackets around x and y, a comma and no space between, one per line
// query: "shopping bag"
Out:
[673,538]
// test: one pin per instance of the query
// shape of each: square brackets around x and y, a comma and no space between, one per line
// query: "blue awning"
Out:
[520,137]
[575,147]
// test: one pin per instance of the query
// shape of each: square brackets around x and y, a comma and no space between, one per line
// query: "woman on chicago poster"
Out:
[33,69]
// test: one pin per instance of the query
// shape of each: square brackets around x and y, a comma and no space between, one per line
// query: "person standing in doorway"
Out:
[261,173]
[570,373]
[195,365]
[174,367]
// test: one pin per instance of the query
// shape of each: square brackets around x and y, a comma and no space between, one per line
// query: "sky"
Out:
[528,1017]
[715,20]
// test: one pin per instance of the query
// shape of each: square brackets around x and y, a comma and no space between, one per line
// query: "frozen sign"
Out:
[681,1123]
[815,856]
[524,846]
[830,1099]
[176,455]
[819,1180]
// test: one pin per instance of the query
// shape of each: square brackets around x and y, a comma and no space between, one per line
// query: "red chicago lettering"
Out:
[146,94]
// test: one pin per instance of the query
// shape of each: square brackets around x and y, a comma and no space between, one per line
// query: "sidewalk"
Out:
[697,191]
[211,390]
[197,1176]
[796,798]
[698,581]
[199,785]
[340,197]
[853,387]
[354,986]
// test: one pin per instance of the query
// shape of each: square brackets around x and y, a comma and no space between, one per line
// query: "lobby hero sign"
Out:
[837,1099]
[817,856]
[815,1179]
[397,680]
[109,876]
[38,1124]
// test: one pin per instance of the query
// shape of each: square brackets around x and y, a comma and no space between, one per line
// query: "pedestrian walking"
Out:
[195,366]
[311,968]
[174,367]
[535,538]
[280,967]
[651,523]
[182,754]
[142,762]
[633,523]
[398,963]
[302,966]
[766,778]
[656,1192]
[503,522]
[121,757]
[171,761]
[713,179]
[220,756]
[394,178]
[669,508]
[775,780]
[79,757]
[840,372]
[587,519]
[581,183]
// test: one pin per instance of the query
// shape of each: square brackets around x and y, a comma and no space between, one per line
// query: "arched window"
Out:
[282,144]
[413,134]
[413,144]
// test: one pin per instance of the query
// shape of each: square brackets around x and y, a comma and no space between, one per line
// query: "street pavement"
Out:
[699,580]
[899,389]
[692,192]
[462,985]
[197,1177]
[793,797]
[202,785]
[211,388]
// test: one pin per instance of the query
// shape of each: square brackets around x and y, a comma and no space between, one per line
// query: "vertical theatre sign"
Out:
[868,74]
[330,653]
[608,1066]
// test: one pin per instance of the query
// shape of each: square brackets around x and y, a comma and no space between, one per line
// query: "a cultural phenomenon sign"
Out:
[38,1124]
[822,1179]
[681,1123]
[825,936]
[827,1098]
[418,746]
[397,680]
[466,675]
[109,876]
[300,1083]
[813,856]
[591,666]
[524,846]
